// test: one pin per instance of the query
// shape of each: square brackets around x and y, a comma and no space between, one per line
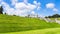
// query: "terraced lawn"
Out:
[18,24]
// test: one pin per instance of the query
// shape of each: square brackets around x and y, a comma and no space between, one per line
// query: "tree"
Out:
[28,15]
[54,16]
[1,10]
[46,17]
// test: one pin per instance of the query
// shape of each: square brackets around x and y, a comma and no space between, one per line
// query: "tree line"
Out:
[53,16]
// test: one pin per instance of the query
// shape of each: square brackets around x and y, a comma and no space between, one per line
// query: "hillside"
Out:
[16,24]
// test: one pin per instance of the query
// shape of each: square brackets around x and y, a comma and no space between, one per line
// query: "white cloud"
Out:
[41,16]
[38,3]
[20,8]
[38,6]
[32,12]
[23,8]
[55,9]
[35,2]
[20,5]
[14,2]
[25,1]
[0,0]
[31,7]
[5,5]
[50,5]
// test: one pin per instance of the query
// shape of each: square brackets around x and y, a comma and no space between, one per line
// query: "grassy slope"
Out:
[15,23]
[54,18]
[42,31]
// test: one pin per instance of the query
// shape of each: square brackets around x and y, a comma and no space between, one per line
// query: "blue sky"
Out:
[47,7]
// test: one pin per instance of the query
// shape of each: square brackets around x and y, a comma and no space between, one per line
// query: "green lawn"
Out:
[58,18]
[42,31]
[54,18]
[18,24]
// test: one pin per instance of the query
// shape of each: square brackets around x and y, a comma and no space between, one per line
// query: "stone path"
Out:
[58,21]
[49,20]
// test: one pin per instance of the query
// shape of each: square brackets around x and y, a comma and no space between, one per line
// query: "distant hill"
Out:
[16,23]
